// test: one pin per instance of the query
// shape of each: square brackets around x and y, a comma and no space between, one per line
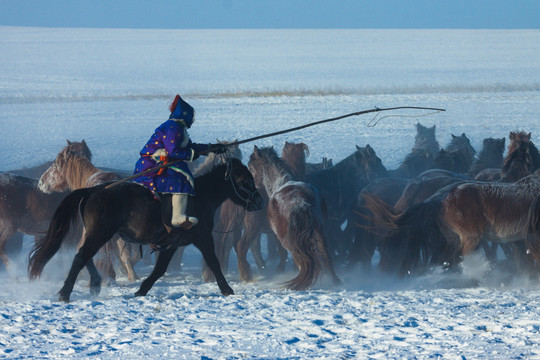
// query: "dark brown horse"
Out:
[491,156]
[134,212]
[71,171]
[294,214]
[459,218]
[457,156]
[23,207]
[339,187]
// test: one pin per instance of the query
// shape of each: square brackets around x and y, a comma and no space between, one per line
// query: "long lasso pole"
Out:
[154,169]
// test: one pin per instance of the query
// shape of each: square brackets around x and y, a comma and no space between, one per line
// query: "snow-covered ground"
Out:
[112,88]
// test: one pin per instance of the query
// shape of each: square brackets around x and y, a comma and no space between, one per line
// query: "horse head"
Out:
[294,154]
[518,163]
[369,164]
[463,145]
[493,146]
[425,139]
[244,185]
[54,178]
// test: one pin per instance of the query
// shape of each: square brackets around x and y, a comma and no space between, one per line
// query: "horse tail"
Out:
[532,240]
[64,217]
[303,238]
[407,197]
[413,236]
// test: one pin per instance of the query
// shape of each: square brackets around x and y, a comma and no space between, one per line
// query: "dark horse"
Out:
[456,219]
[24,208]
[133,211]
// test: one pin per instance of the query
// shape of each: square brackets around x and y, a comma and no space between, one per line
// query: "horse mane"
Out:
[295,157]
[80,148]
[77,169]
[517,138]
[271,157]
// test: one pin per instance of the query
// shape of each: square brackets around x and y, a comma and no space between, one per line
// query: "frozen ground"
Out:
[112,87]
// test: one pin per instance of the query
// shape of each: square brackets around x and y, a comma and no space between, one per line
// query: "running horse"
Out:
[457,219]
[133,212]
[295,216]
[72,170]
[23,206]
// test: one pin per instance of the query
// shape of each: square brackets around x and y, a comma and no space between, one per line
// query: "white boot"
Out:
[179,218]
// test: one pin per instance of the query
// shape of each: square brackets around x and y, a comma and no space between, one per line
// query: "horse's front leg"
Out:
[206,247]
[163,260]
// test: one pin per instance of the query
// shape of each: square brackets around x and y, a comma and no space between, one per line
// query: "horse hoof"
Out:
[63,298]
[227,292]
[95,290]
[140,293]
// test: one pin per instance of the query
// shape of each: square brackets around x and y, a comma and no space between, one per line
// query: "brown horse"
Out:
[456,219]
[23,207]
[255,223]
[294,214]
[71,171]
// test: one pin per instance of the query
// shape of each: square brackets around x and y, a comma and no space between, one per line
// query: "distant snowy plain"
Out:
[112,88]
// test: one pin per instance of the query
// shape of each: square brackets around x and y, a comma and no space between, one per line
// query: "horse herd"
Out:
[436,207]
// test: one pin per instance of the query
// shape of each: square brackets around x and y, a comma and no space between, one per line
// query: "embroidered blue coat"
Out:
[171,136]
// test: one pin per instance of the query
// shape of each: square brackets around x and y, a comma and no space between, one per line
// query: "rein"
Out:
[236,186]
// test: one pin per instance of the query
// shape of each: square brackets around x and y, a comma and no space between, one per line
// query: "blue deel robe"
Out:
[177,179]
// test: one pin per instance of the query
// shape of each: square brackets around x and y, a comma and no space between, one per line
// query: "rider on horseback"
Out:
[171,142]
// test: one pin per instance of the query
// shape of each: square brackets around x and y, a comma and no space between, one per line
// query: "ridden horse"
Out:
[295,216]
[71,171]
[339,187]
[134,212]
[457,218]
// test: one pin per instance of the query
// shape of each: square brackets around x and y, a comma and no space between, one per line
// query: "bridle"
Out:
[230,175]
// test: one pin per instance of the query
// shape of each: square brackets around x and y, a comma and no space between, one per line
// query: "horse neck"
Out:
[297,166]
[273,176]
[77,171]
[212,188]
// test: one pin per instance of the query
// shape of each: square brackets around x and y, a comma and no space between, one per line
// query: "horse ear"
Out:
[512,135]
[255,150]
[68,142]
[453,136]
[83,142]
[463,135]
[357,147]
[305,148]
[528,136]
[369,150]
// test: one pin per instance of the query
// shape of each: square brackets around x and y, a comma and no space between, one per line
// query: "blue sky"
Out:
[169,14]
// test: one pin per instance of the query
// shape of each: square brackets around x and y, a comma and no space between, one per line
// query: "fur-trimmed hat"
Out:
[181,111]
